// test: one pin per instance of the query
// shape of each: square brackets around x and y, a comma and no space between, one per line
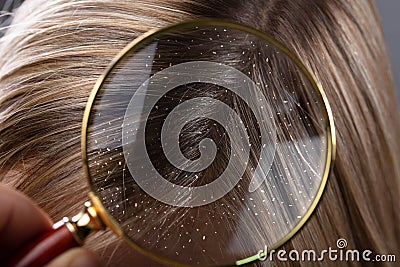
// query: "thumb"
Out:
[77,257]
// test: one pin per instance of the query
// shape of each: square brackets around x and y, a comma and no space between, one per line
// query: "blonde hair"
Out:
[54,51]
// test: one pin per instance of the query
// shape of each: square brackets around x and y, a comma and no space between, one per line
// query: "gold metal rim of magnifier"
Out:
[138,43]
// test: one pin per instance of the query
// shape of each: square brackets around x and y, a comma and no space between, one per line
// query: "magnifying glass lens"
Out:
[207,143]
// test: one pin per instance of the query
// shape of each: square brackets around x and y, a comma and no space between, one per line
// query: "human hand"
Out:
[21,221]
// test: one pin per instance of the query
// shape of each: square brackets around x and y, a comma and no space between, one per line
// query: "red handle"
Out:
[44,249]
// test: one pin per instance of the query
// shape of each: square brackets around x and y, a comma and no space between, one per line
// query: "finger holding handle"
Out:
[27,238]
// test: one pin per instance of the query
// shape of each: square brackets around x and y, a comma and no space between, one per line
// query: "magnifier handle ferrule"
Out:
[65,235]
[84,223]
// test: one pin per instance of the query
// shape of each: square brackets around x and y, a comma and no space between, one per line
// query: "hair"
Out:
[54,51]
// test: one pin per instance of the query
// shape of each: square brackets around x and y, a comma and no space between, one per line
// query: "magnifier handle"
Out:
[45,248]
[65,234]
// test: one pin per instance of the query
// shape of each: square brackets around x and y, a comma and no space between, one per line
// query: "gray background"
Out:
[390,15]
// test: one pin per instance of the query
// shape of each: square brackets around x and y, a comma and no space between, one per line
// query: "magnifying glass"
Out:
[204,143]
